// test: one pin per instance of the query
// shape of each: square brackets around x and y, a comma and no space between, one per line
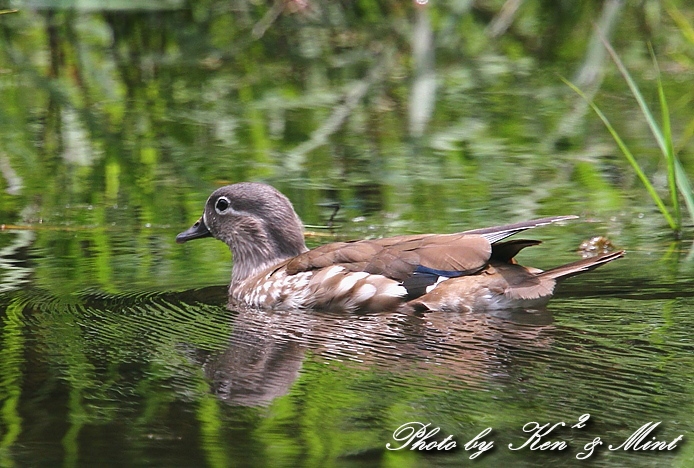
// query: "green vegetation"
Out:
[116,346]
[677,178]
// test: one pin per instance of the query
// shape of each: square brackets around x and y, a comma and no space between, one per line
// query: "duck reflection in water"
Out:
[267,348]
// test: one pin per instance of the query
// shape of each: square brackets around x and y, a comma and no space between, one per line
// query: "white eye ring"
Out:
[222,205]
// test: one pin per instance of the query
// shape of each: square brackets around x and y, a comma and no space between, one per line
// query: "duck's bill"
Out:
[196,231]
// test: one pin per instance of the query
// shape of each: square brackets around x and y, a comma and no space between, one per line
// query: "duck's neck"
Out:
[251,258]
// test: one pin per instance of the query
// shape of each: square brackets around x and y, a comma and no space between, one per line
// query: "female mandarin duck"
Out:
[449,272]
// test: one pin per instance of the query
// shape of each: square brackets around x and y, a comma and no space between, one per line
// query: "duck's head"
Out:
[256,221]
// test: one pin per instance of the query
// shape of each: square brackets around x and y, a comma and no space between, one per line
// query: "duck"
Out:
[461,272]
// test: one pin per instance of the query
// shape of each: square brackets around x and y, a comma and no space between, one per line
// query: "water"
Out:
[177,379]
[116,345]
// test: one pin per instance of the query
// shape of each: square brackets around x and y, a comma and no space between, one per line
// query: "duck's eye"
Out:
[222,205]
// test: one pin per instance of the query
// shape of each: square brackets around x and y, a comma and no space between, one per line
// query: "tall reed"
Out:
[676,176]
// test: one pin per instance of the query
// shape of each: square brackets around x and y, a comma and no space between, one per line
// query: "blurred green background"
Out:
[118,118]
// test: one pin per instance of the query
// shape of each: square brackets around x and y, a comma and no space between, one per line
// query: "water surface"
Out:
[116,345]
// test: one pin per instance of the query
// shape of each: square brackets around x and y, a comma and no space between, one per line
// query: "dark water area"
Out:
[117,347]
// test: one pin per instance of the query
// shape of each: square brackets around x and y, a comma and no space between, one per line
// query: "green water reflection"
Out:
[116,123]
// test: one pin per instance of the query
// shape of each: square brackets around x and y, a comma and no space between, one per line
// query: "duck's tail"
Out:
[587,264]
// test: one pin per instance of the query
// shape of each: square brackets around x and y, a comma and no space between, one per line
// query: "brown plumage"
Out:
[464,271]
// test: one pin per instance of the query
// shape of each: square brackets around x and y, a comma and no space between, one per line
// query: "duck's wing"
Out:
[418,261]
[401,257]
[497,233]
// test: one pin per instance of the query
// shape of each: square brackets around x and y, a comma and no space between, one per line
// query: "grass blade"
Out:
[680,176]
[667,135]
[685,187]
[681,21]
[630,157]
[652,124]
